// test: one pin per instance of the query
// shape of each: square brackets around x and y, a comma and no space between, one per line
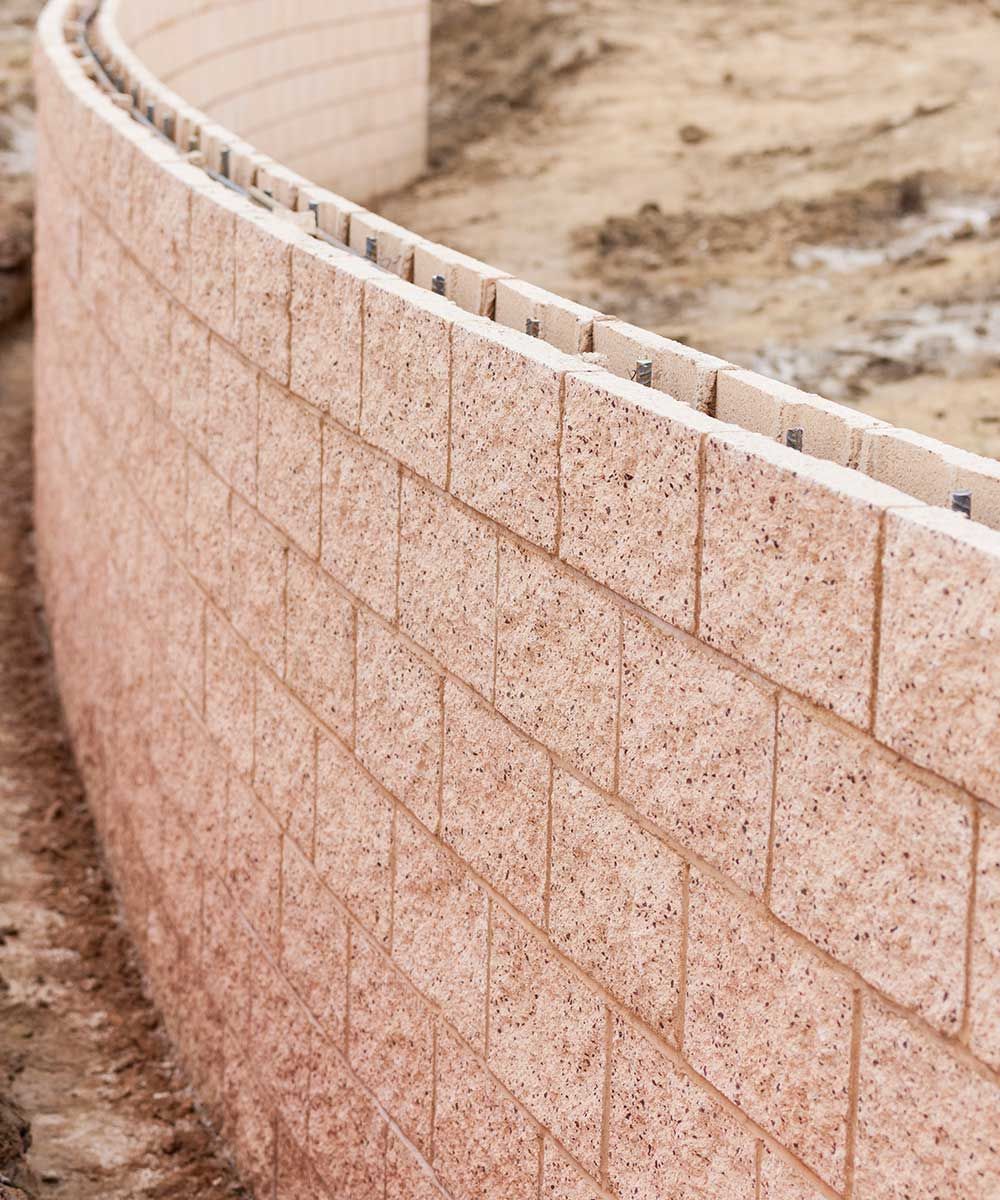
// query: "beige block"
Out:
[333,213]
[917,465]
[687,375]
[471,284]
[394,245]
[981,477]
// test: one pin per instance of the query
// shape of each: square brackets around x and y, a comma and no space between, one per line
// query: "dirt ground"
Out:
[808,189]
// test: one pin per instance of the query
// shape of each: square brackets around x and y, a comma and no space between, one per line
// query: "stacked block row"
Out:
[520,783]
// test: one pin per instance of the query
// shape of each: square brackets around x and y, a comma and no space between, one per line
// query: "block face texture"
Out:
[557,660]
[447,583]
[907,1148]
[769,1024]
[939,680]
[781,1181]
[788,577]
[208,529]
[229,692]
[561,1180]
[547,1035]
[616,902]
[213,247]
[440,932]
[326,333]
[257,562]
[360,508]
[288,466]
[231,423]
[666,1136]
[697,749]
[284,758]
[406,1176]
[399,719]
[263,295]
[495,800]
[872,866]
[984,998]
[390,1043]
[405,389]
[319,645]
[505,430]
[484,1149]
[346,1139]
[630,487]
[353,841]
[189,342]
[253,860]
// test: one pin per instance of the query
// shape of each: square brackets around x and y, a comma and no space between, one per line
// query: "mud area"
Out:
[806,189]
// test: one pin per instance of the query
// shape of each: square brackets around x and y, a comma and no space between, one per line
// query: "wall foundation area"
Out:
[537,760]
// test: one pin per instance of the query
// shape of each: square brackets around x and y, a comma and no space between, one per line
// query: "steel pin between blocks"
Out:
[371,248]
[644,371]
[961,502]
[793,438]
[438,285]
[224,161]
[533,327]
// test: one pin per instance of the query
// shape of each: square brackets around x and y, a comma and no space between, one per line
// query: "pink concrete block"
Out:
[253,860]
[100,273]
[229,692]
[557,660]
[249,1120]
[208,529]
[447,583]
[353,845]
[327,292]
[405,391]
[686,374]
[547,1038]
[231,422]
[184,653]
[288,466]
[296,1177]
[346,1131]
[484,1148]
[926,1121]
[263,293]
[313,943]
[668,1137]
[788,575]
[166,477]
[281,1045]
[391,1040]
[257,560]
[189,341]
[398,719]
[872,865]
[630,492]
[561,1180]
[284,773]
[196,782]
[360,515]
[769,1024]
[228,945]
[407,1176]
[697,746]
[616,902]
[507,390]
[984,990]
[495,800]
[160,235]
[213,249]
[440,929]
[939,679]
[319,645]
[779,1180]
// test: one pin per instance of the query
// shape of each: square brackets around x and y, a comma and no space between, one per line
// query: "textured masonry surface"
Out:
[520,782]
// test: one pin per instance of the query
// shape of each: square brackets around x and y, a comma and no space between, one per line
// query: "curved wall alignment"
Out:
[520,782]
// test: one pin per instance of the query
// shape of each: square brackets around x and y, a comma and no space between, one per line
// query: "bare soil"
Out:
[806,189]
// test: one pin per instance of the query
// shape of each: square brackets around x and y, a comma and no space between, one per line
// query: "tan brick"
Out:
[687,375]
[231,422]
[288,466]
[788,576]
[208,529]
[229,692]
[939,666]
[667,1137]
[354,838]
[697,746]
[984,991]
[447,583]
[561,1180]
[917,465]
[495,801]
[313,943]
[263,292]
[391,1035]
[616,902]
[547,1035]
[408,1177]
[327,291]
[506,397]
[253,860]
[484,1149]
[557,660]
[360,507]
[404,404]
[630,487]
[346,1131]
[981,477]
[872,866]
[257,558]
[769,1024]
[284,758]
[440,929]
[399,719]
[781,1181]
[926,1121]
[213,248]
[320,645]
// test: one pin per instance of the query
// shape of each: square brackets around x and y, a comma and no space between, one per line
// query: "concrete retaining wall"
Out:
[520,782]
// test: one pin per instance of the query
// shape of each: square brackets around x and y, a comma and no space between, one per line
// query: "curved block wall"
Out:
[520,782]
